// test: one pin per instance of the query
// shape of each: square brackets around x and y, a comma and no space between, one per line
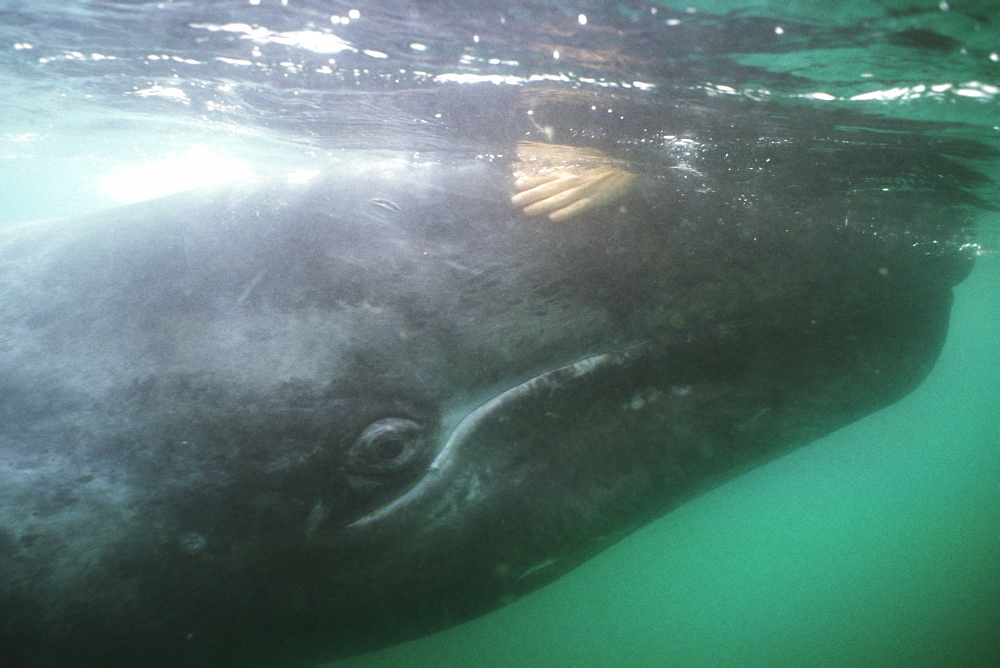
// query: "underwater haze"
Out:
[876,545]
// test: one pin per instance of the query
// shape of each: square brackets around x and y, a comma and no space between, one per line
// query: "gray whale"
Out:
[276,423]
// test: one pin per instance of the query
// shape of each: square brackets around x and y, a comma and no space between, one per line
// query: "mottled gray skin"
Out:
[240,425]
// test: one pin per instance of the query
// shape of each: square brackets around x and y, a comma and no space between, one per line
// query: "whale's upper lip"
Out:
[494,409]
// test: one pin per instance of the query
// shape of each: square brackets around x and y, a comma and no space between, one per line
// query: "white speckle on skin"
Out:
[643,398]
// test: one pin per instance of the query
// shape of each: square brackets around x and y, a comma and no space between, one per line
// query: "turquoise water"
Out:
[877,545]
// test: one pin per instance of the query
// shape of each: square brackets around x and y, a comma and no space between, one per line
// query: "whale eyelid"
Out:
[386,204]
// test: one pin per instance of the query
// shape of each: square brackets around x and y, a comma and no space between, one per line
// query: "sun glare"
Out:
[194,168]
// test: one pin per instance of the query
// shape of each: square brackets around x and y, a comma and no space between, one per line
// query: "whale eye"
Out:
[388,445]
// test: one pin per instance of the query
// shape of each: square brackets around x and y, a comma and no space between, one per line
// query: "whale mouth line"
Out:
[493,409]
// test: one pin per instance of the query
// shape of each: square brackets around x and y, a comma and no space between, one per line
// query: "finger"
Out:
[523,183]
[562,193]
[546,190]
[612,188]
[528,182]
[555,202]
[613,185]
[574,209]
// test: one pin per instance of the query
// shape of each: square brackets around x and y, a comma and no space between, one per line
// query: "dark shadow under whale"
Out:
[286,421]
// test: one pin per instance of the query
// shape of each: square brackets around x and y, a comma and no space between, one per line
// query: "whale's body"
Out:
[277,421]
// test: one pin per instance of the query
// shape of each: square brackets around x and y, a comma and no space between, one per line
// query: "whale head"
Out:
[300,420]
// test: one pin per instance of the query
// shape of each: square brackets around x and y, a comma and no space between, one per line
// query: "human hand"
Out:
[563,181]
